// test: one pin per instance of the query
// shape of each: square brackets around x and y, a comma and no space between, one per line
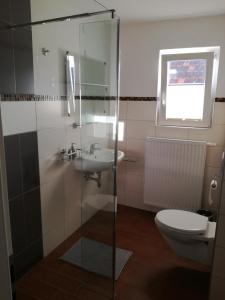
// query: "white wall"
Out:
[139,120]
[140,45]
[141,42]
[47,9]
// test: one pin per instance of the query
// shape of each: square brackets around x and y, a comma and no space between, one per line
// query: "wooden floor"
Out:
[153,272]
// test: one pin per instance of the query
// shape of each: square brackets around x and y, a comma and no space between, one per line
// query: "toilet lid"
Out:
[183,221]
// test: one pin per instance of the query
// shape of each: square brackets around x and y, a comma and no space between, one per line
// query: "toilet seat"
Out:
[181,221]
[189,234]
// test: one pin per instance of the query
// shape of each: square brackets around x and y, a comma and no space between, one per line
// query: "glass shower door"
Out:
[99,106]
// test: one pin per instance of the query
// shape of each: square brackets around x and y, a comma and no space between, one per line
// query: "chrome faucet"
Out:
[70,154]
[93,147]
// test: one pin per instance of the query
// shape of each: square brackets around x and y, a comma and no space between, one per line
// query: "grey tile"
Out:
[217,289]
[29,157]
[7,82]
[28,258]
[32,208]
[218,264]
[220,240]
[23,56]
[5,13]
[13,165]
[17,224]
[7,74]
[21,11]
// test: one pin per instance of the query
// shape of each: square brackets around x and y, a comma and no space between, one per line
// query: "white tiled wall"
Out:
[60,184]
[24,114]
[61,188]
[139,119]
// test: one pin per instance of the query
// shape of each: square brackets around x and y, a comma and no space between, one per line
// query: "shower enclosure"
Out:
[59,132]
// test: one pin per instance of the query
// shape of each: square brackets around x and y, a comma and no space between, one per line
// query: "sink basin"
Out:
[101,160]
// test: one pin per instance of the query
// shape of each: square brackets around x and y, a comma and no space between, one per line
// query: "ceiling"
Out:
[149,10]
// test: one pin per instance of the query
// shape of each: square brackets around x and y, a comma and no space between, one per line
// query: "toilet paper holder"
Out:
[214,184]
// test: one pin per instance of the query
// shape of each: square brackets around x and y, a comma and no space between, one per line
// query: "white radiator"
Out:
[174,172]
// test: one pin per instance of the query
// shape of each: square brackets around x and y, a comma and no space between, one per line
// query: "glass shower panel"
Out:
[98,86]
[43,140]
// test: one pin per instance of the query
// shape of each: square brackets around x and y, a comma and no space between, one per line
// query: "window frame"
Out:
[211,55]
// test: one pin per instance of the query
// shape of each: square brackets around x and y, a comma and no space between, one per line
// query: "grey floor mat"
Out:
[96,257]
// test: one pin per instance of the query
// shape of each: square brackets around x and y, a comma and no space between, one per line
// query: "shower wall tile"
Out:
[53,206]
[72,190]
[53,239]
[5,10]
[134,188]
[23,58]
[212,172]
[22,46]
[18,117]
[7,74]
[23,7]
[21,152]
[171,133]
[32,212]
[50,169]
[214,156]
[122,146]
[123,110]
[16,74]
[142,111]
[18,229]
[51,114]
[216,134]
[136,168]
[51,142]
[219,113]
[140,129]
[135,148]
[73,136]
[13,165]
[60,184]
[22,169]
[29,158]
[7,84]
[25,260]
[26,231]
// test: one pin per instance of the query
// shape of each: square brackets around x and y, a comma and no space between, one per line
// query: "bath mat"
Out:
[96,257]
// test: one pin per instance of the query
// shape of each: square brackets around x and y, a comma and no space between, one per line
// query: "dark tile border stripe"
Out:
[219,99]
[138,98]
[30,97]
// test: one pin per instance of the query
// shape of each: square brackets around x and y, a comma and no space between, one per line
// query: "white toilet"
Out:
[189,234]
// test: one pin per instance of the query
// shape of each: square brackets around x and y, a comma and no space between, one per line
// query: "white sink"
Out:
[100,160]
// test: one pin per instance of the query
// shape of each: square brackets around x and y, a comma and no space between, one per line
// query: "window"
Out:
[186,86]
